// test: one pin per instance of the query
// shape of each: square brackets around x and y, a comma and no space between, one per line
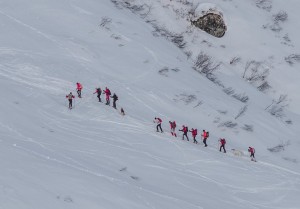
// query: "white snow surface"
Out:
[92,157]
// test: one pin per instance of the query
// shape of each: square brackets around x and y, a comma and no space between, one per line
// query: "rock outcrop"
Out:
[212,24]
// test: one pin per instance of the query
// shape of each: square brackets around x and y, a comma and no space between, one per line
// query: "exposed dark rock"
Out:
[212,24]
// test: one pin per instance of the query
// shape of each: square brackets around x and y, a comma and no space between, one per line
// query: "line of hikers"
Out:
[194,131]
[98,91]
[157,120]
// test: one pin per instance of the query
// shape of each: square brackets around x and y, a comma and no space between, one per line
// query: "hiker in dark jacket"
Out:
[222,144]
[98,91]
[115,98]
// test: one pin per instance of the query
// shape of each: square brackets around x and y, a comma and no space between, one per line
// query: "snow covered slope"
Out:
[91,156]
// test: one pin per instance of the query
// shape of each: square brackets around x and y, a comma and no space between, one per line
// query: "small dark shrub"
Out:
[235,60]
[264,86]
[228,124]
[291,59]
[186,98]
[224,112]
[228,91]
[289,121]
[164,71]
[281,16]
[241,97]
[177,39]
[204,64]
[256,74]
[105,22]
[241,112]
[279,147]
[198,104]
[247,127]
[264,4]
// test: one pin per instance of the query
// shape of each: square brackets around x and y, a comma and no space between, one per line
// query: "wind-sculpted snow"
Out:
[92,156]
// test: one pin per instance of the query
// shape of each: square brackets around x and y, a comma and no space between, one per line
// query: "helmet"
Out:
[70,92]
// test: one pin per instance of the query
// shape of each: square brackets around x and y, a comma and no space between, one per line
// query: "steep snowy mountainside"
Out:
[253,34]
[91,156]
[248,41]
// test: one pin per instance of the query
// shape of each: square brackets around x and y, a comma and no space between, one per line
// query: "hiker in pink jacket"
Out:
[79,88]
[107,95]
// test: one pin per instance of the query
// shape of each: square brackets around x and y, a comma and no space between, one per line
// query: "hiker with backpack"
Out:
[70,97]
[222,144]
[194,134]
[115,98]
[107,95]
[252,151]
[205,135]
[185,131]
[173,126]
[98,91]
[79,88]
[158,121]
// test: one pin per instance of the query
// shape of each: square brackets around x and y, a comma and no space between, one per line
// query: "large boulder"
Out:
[211,23]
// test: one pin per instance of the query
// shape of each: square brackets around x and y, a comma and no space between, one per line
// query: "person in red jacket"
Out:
[158,121]
[222,144]
[252,151]
[204,137]
[194,134]
[173,126]
[107,95]
[79,88]
[70,97]
[185,131]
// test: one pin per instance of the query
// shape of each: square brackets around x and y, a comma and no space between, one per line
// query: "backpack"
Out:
[195,131]
[108,92]
[207,134]
[223,141]
[159,120]
[186,129]
[174,124]
[251,150]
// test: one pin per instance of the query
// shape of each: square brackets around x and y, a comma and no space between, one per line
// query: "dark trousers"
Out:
[159,126]
[99,97]
[79,93]
[204,142]
[223,146]
[195,141]
[114,104]
[185,134]
[252,155]
[70,103]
